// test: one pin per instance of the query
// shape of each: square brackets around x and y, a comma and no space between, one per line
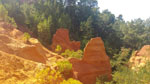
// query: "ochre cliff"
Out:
[19,59]
[62,38]
[95,63]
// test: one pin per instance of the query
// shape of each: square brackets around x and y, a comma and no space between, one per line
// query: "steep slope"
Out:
[19,60]
[14,70]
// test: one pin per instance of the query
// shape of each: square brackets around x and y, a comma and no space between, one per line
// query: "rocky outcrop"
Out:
[95,63]
[20,60]
[62,38]
[10,31]
[140,58]
[33,51]
[12,46]
[16,70]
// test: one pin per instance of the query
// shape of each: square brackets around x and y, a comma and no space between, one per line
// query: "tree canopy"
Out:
[82,18]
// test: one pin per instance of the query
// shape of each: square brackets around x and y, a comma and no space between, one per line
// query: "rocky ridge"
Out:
[19,60]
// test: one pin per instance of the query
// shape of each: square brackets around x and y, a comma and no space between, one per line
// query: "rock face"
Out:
[16,70]
[139,58]
[33,51]
[7,29]
[19,60]
[62,38]
[95,63]
[26,51]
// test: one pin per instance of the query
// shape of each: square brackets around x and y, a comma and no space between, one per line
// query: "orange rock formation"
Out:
[95,63]
[16,70]
[140,58]
[19,60]
[62,38]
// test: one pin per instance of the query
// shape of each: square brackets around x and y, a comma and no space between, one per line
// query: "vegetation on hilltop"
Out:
[82,18]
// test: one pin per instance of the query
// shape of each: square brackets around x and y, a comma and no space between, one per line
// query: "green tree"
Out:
[134,32]
[44,30]
[64,21]
[13,8]
[87,31]
[4,16]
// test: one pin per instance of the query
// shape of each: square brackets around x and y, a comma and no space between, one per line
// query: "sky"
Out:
[130,9]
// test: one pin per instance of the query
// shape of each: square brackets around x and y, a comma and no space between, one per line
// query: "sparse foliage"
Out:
[121,59]
[58,49]
[127,76]
[64,66]
[4,16]
[26,36]
[72,54]
[48,76]
[71,81]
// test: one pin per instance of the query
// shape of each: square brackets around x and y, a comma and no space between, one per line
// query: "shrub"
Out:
[69,53]
[58,49]
[71,81]
[101,79]
[26,36]
[72,54]
[48,76]
[125,75]
[121,58]
[64,66]
[144,73]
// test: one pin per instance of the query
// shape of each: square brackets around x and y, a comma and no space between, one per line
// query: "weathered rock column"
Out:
[95,63]
[62,38]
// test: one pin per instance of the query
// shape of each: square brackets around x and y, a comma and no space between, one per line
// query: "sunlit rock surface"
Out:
[62,38]
[140,58]
[95,63]
[20,60]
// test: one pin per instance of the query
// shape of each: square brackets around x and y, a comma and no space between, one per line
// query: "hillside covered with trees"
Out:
[82,18]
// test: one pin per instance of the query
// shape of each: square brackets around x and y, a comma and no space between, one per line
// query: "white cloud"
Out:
[130,9]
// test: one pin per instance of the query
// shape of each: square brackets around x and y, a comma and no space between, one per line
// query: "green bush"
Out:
[26,36]
[121,58]
[126,75]
[64,66]
[48,76]
[69,53]
[72,54]
[71,81]
[58,49]
[101,79]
